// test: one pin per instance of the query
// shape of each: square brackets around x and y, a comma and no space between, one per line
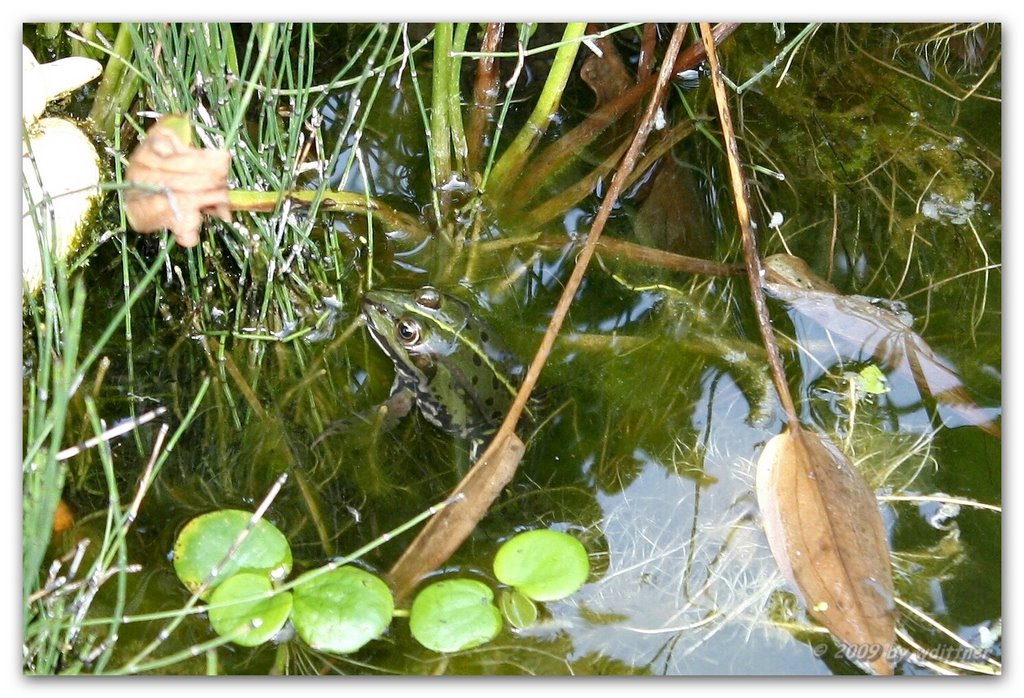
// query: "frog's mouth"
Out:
[377,316]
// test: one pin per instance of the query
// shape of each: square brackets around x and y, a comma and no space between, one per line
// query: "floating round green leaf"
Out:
[453,615]
[203,543]
[544,565]
[248,623]
[341,610]
[517,608]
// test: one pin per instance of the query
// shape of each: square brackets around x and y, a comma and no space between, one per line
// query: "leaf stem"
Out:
[755,272]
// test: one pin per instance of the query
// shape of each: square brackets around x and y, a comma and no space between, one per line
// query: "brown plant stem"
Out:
[583,260]
[645,64]
[755,272]
[669,260]
[437,536]
[485,96]
[558,154]
[561,202]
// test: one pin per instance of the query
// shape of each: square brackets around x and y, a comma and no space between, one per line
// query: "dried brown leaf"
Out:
[177,182]
[445,532]
[673,215]
[827,536]
[606,73]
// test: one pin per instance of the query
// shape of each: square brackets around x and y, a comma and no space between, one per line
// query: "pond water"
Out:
[885,168]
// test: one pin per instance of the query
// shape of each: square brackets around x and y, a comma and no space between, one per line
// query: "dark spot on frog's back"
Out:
[477,361]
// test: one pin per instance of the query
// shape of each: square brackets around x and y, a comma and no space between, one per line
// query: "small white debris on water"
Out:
[734,357]
[941,517]
[938,207]
[592,45]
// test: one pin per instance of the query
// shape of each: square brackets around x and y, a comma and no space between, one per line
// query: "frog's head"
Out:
[414,328]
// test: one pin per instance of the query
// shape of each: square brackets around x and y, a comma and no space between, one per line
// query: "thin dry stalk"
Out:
[741,197]
[437,535]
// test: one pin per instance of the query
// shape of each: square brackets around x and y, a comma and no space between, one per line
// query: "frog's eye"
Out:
[429,297]
[407,331]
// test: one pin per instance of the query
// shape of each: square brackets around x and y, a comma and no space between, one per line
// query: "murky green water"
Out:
[656,403]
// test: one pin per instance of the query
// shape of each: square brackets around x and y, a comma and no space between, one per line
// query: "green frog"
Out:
[447,360]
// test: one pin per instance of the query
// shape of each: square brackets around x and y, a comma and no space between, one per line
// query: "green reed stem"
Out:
[118,86]
[512,160]
[458,133]
[266,40]
[440,137]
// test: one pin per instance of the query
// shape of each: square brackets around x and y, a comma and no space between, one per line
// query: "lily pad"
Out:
[453,615]
[259,620]
[203,543]
[518,609]
[544,565]
[341,610]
